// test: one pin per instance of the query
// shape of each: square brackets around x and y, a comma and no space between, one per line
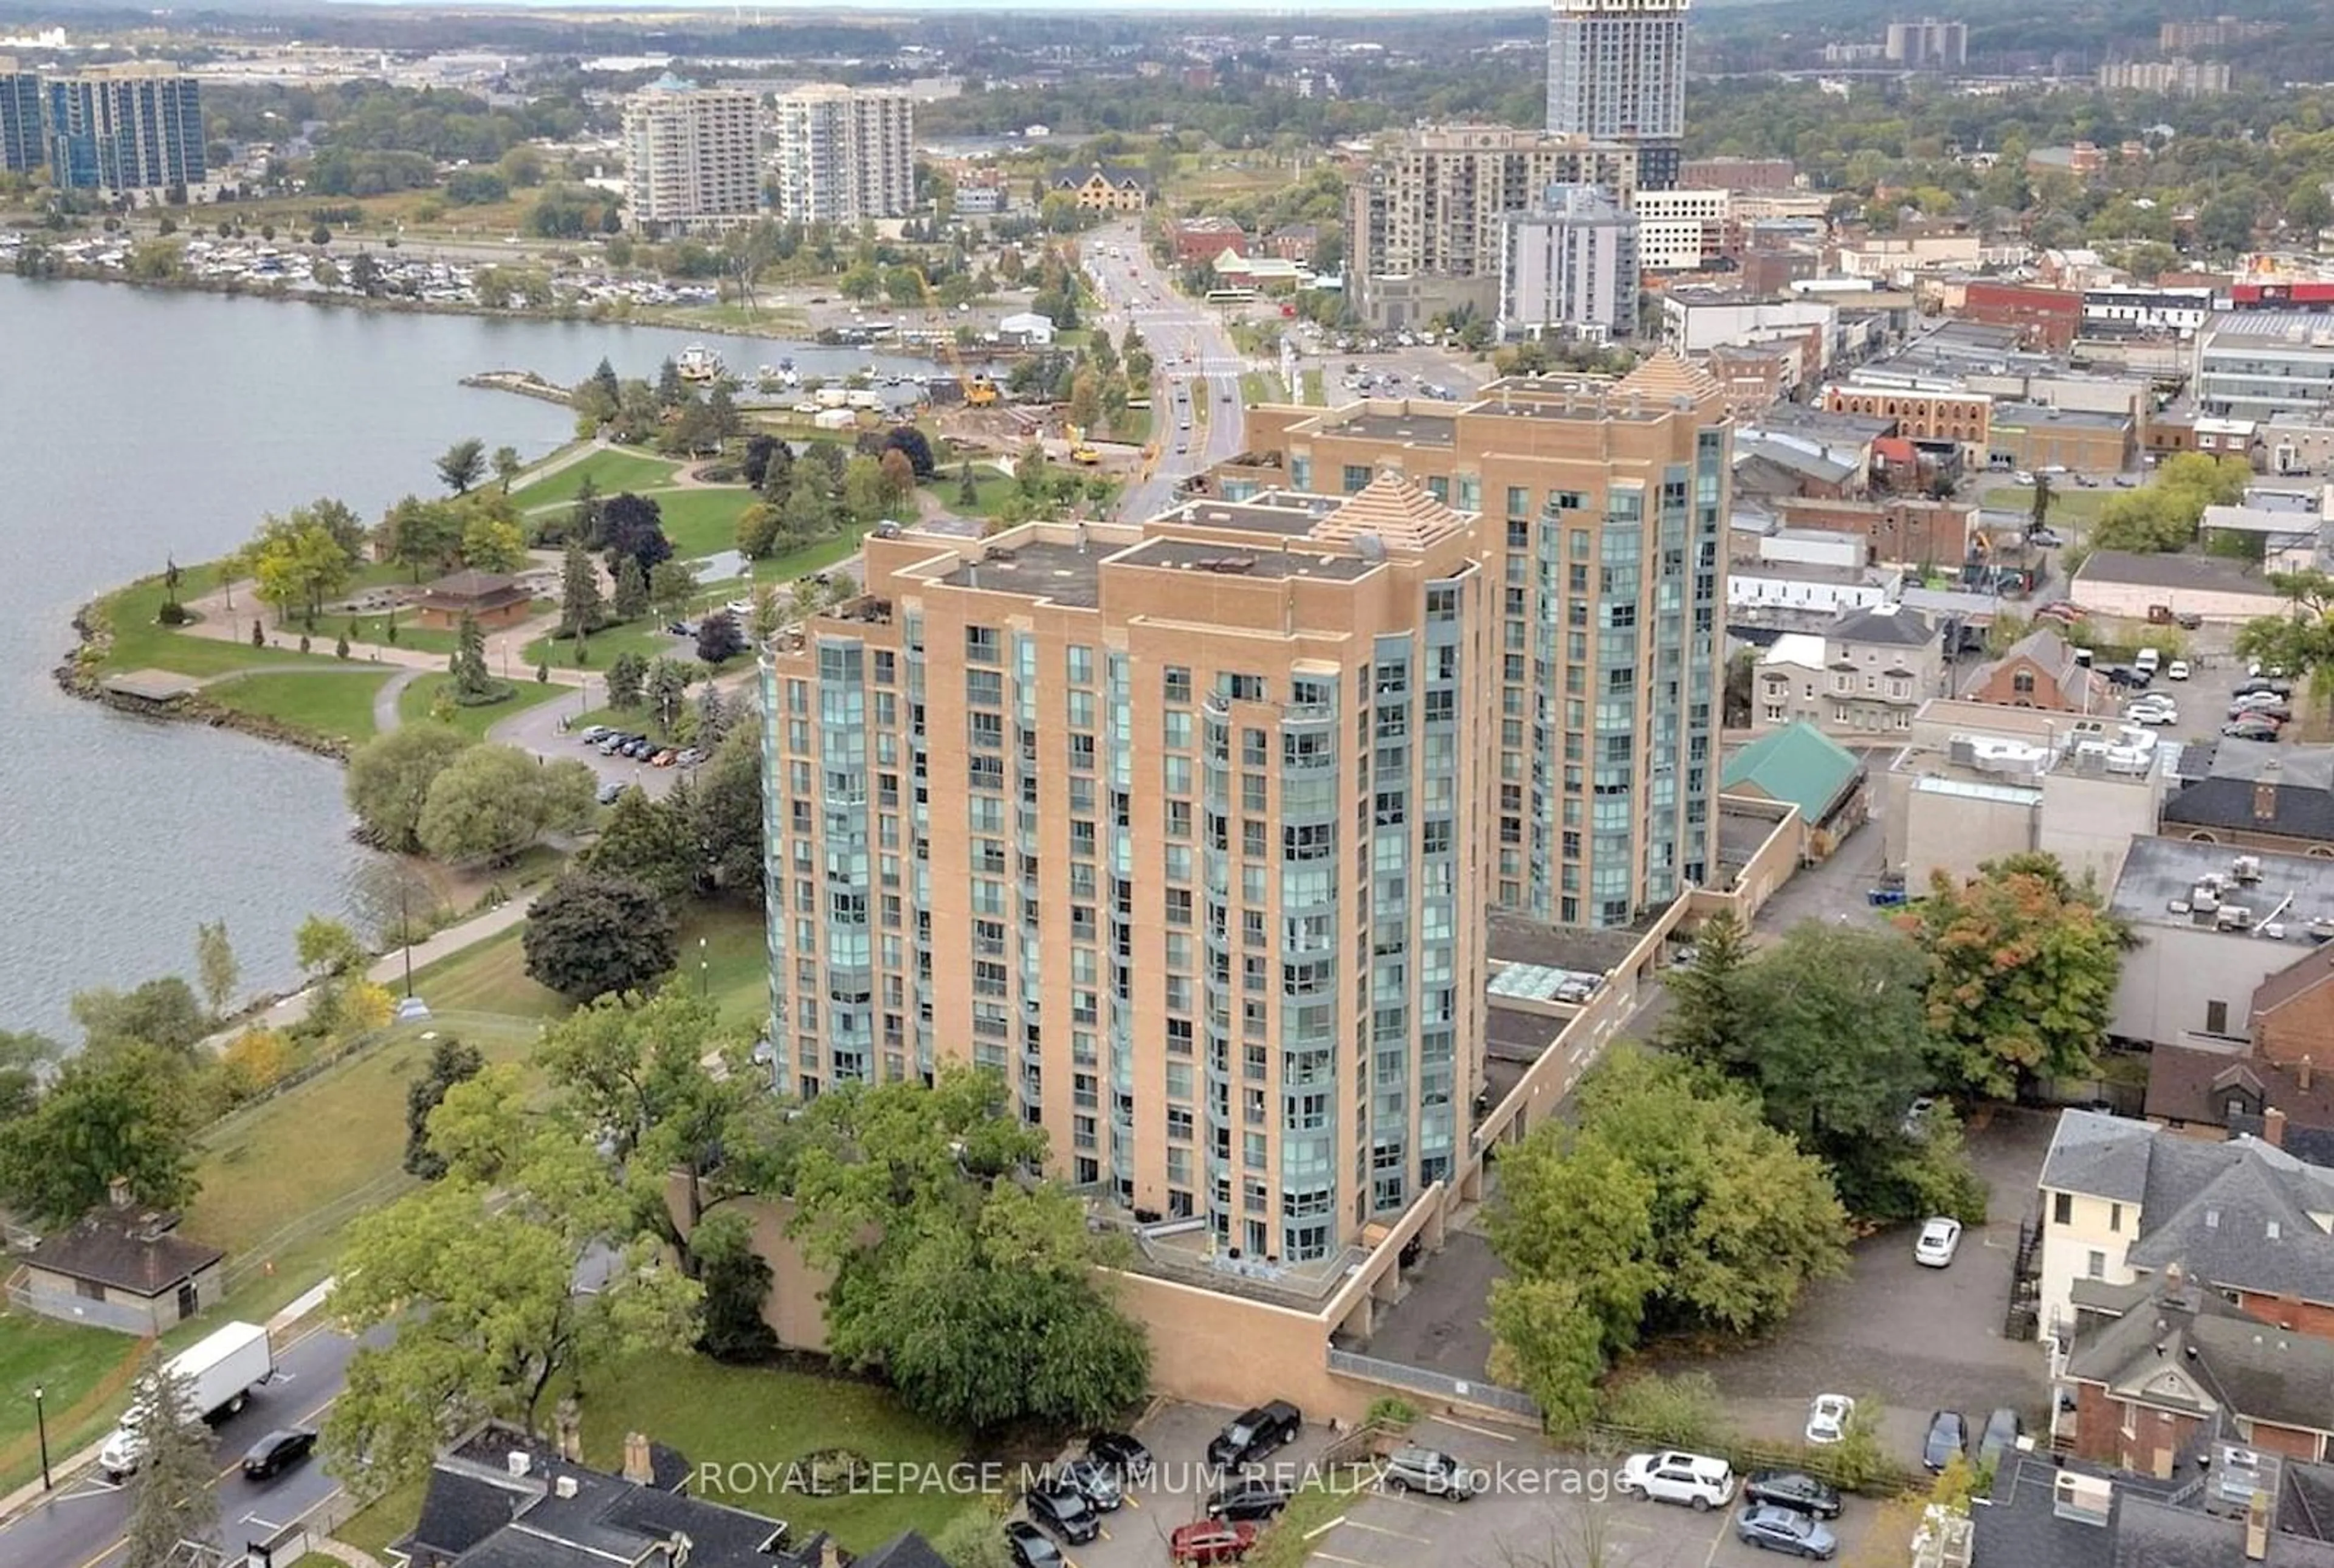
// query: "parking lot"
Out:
[1539,1507]
[1917,1340]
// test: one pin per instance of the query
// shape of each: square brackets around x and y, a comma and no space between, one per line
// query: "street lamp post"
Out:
[703,980]
[40,1419]
[405,929]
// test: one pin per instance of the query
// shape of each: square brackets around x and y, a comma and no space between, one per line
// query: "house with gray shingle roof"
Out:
[2125,1202]
[2051,1511]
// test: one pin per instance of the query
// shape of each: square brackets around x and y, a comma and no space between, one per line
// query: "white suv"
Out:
[1700,1483]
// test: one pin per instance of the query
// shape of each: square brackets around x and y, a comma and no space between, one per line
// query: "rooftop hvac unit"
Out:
[2233,918]
[2247,869]
[2205,898]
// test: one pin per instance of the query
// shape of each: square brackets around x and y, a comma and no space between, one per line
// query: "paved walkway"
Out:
[389,969]
[385,716]
[355,1556]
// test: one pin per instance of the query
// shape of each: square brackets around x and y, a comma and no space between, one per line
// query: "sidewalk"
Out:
[390,968]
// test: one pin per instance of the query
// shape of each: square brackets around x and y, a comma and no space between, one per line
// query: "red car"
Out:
[1208,1540]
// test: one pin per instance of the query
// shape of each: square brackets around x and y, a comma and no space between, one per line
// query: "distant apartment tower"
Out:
[1604,507]
[1569,268]
[21,148]
[1425,220]
[845,153]
[1616,73]
[2214,32]
[2185,78]
[1928,45]
[1173,826]
[125,129]
[693,157]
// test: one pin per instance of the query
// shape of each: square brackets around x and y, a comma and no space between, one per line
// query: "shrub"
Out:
[1390,1411]
[174,614]
[1683,1411]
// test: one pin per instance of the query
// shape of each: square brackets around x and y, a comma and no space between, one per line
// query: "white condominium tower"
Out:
[845,153]
[693,157]
[1616,73]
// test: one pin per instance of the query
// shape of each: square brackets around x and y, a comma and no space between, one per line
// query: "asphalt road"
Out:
[1198,367]
[81,1525]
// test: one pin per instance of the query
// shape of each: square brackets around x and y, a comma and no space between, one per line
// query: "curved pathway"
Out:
[385,716]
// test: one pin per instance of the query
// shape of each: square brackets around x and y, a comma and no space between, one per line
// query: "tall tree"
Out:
[1707,1022]
[646,841]
[632,600]
[216,968]
[125,1112]
[451,1062]
[462,465]
[472,682]
[631,525]
[389,781]
[590,935]
[489,1253]
[628,675]
[159,1011]
[177,1506]
[493,802]
[26,1059]
[580,611]
[2023,968]
[424,535]
[778,473]
[727,810]
[719,639]
[668,690]
[584,513]
[671,585]
[508,465]
[2038,512]
[492,542]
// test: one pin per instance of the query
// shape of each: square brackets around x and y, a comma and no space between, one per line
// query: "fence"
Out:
[1436,1385]
[287,1544]
[1871,1476]
[258,1257]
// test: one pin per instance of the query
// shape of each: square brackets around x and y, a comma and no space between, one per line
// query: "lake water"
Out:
[141,426]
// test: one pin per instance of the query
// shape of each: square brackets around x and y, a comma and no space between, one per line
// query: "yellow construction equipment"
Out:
[1081,449]
[979,392]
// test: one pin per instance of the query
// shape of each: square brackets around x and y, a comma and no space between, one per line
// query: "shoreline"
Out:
[77,675]
[798,334]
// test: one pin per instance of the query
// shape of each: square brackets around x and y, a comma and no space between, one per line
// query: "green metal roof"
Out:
[1798,765]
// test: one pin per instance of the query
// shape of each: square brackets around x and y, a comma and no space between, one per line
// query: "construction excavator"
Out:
[1081,449]
[979,392]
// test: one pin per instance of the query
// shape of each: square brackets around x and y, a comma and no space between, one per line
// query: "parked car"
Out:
[2250,728]
[1430,1470]
[2262,695]
[277,1452]
[1064,1510]
[1700,1483]
[610,790]
[1782,1529]
[2259,686]
[1948,1435]
[1939,1238]
[1790,1489]
[1210,1541]
[1249,1499]
[1032,1547]
[597,732]
[2155,715]
[2274,713]
[2043,538]
[1098,1482]
[1253,1434]
[1827,1418]
[2176,670]
[688,756]
[1124,1454]
[2002,1431]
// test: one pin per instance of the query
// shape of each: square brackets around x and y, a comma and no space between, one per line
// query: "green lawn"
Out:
[646,637]
[140,642]
[2067,501]
[759,1417]
[990,487]
[612,469]
[413,702]
[1134,427]
[491,976]
[703,521]
[83,1374]
[810,558]
[333,703]
[420,638]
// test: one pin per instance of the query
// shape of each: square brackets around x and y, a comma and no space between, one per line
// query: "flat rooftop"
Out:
[1409,428]
[1258,516]
[1799,572]
[1574,949]
[2288,891]
[1067,574]
[2296,329]
[1223,560]
[2027,416]
[2182,568]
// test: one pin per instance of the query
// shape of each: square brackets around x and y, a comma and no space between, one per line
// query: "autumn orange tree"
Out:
[2022,971]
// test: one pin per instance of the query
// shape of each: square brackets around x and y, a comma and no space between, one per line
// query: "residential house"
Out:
[2211,927]
[1788,687]
[490,599]
[2259,795]
[2292,1019]
[2041,670]
[2161,1363]
[1292,242]
[2125,1201]
[1879,665]
[1800,766]
[2204,1093]
[124,1267]
[2224,1507]
[501,1498]
[1107,188]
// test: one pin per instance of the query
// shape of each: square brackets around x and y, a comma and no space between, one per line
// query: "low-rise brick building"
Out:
[1908,531]
[2040,670]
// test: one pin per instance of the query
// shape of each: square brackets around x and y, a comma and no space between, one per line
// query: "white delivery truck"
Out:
[218,1372]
